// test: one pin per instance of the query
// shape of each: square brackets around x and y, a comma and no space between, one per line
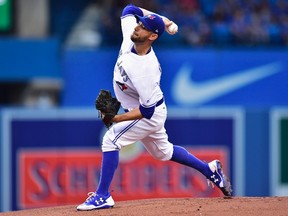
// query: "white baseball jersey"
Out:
[137,81]
[136,78]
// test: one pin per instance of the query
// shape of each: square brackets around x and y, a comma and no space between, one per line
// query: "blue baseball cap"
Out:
[152,22]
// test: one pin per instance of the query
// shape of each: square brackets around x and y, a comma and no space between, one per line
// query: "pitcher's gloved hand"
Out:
[107,106]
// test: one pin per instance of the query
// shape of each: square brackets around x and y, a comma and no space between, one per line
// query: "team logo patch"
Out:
[151,16]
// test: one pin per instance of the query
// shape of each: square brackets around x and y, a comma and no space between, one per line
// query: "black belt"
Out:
[160,102]
[157,104]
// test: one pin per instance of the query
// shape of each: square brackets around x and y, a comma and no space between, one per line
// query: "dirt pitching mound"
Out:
[275,206]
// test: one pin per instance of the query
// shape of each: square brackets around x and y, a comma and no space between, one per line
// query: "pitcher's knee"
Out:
[163,154]
[107,143]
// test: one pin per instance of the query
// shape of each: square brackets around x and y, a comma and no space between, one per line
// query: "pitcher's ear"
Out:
[153,37]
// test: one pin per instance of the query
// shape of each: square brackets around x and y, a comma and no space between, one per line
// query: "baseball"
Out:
[173,28]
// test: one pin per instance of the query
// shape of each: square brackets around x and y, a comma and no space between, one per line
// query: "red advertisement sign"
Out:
[56,177]
[53,177]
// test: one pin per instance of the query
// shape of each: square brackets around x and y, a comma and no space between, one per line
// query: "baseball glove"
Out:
[107,106]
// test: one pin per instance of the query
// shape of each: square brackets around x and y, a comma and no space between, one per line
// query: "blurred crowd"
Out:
[209,22]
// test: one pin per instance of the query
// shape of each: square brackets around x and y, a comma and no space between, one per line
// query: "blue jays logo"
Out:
[151,16]
[122,86]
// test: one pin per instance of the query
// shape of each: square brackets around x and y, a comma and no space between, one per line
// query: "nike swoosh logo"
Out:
[186,91]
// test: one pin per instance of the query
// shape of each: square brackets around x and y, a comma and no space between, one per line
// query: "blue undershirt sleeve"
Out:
[132,9]
[147,112]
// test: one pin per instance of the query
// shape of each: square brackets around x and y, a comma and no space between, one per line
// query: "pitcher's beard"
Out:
[136,39]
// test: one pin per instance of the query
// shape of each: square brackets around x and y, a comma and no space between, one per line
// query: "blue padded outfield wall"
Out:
[231,104]
[249,78]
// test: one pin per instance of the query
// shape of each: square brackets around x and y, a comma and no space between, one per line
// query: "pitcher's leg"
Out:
[118,136]
[109,165]
[159,147]
[182,156]
[212,171]
[102,198]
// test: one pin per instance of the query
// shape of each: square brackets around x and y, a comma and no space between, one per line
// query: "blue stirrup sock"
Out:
[182,156]
[110,162]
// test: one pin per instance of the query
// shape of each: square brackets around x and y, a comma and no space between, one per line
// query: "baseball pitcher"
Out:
[136,83]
